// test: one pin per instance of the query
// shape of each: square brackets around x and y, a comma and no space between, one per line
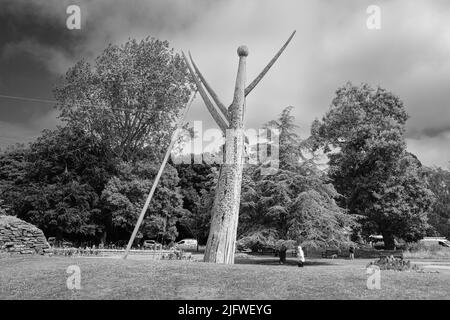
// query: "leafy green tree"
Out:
[69,153]
[197,183]
[439,215]
[363,134]
[56,182]
[13,169]
[61,209]
[129,99]
[125,194]
[290,145]
[296,204]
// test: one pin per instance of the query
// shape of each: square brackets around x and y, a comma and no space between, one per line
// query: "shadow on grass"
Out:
[268,261]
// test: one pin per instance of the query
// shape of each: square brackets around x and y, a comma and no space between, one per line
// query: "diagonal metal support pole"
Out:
[158,176]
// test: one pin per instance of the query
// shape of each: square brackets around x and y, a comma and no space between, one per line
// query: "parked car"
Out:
[430,241]
[151,244]
[377,243]
[186,244]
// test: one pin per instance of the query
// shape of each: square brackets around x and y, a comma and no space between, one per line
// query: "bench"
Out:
[328,253]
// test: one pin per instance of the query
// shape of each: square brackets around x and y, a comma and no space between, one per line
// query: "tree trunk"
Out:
[225,213]
[103,237]
[389,242]
[282,254]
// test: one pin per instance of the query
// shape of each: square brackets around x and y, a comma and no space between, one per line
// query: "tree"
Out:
[13,169]
[197,182]
[363,134]
[56,182]
[130,99]
[289,146]
[125,194]
[294,205]
[439,216]
[63,210]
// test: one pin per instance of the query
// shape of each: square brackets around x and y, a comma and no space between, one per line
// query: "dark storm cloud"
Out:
[34,49]
[410,55]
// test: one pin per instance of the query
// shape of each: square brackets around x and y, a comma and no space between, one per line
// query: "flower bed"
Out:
[155,254]
[393,263]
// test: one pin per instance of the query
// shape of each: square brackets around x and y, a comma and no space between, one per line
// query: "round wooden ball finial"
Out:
[242,51]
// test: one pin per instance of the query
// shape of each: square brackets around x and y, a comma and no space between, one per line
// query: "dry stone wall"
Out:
[20,237]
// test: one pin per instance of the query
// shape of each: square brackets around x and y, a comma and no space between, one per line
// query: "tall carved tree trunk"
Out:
[225,214]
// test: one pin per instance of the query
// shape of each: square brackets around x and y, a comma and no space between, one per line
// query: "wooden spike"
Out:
[212,110]
[211,92]
[252,85]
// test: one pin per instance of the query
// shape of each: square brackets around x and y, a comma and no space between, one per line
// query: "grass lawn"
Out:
[257,278]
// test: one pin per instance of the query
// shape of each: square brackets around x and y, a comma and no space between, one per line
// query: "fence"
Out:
[153,254]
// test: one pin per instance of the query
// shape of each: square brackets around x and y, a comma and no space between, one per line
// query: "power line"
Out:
[27,99]
[103,107]
[78,105]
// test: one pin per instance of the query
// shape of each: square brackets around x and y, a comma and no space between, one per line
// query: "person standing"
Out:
[301,256]
[351,250]
[282,254]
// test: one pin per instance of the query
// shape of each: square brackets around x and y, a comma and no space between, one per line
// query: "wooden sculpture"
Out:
[225,213]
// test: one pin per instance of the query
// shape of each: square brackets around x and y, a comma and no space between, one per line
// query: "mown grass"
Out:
[256,278]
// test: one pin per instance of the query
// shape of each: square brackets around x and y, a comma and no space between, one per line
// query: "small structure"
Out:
[20,237]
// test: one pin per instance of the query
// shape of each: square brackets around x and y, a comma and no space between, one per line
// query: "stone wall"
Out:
[20,237]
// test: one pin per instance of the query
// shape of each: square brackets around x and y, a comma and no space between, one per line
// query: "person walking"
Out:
[301,256]
[351,250]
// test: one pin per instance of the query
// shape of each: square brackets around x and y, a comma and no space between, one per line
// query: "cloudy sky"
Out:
[409,55]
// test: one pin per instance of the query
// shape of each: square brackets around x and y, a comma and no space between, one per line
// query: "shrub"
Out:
[177,255]
[3,208]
